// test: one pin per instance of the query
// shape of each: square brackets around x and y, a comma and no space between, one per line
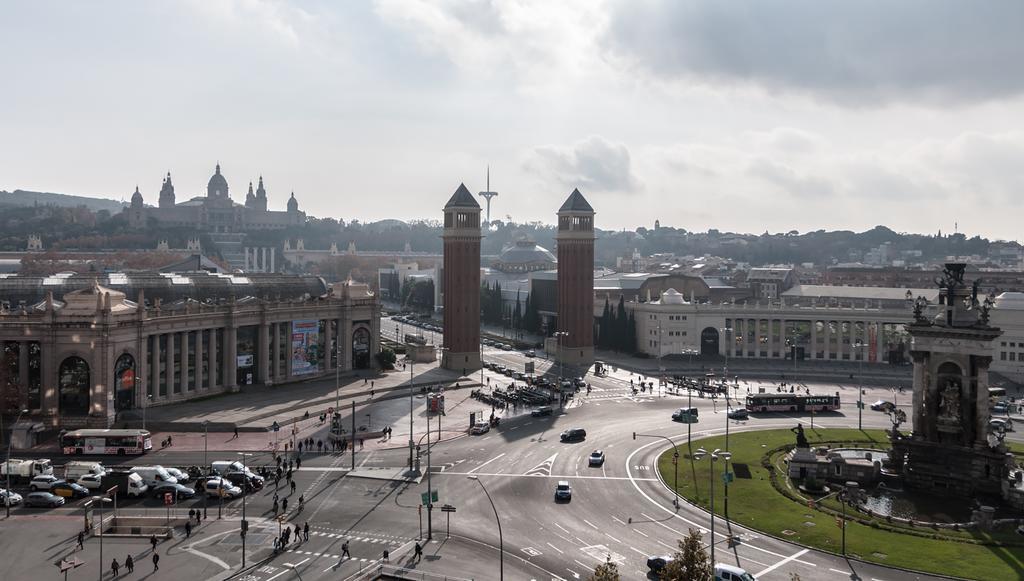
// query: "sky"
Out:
[771,115]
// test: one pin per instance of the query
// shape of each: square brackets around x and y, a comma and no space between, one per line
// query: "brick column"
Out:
[328,347]
[814,338]
[201,378]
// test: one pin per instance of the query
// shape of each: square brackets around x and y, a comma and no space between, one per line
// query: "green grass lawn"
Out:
[756,504]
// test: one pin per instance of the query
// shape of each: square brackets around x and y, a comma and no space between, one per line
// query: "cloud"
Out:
[853,53]
[592,164]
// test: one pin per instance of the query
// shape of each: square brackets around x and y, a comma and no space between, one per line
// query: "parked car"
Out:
[883,406]
[531,353]
[1001,408]
[563,491]
[725,572]
[739,414]
[596,458]
[180,475]
[541,412]
[573,435]
[10,498]
[1001,424]
[69,490]
[43,482]
[181,490]
[480,428]
[91,481]
[43,500]
[657,563]
[578,382]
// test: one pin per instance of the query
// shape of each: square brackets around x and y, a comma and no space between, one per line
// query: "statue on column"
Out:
[801,439]
[950,400]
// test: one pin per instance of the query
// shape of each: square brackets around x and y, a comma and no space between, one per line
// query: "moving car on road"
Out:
[883,406]
[686,415]
[573,435]
[563,491]
[10,498]
[43,500]
[739,414]
[180,490]
[480,428]
[596,458]
[43,482]
[725,572]
[541,412]
[1001,424]
[657,563]
[69,490]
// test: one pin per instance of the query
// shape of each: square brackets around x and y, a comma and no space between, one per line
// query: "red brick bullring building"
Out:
[575,239]
[461,282]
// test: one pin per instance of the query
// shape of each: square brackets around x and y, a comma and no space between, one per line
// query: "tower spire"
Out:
[487,195]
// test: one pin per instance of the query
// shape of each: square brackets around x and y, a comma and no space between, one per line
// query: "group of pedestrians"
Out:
[301,535]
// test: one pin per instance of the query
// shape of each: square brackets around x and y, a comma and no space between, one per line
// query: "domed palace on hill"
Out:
[214,212]
[525,256]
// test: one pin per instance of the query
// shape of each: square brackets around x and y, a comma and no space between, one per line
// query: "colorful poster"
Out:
[872,344]
[305,347]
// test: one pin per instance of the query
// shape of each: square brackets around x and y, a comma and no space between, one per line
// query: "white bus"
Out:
[120,442]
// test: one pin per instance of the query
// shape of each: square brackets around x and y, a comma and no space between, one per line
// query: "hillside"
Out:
[27,198]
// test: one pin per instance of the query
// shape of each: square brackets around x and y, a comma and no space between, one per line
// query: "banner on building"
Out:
[872,344]
[305,347]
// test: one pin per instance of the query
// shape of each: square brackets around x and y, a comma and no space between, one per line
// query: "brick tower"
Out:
[575,240]
[461,282]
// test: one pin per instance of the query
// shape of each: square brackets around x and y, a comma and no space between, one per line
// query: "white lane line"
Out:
[619,520]
[289,566]
[592,525]
[782,562]
[669,547]
[563,529]
[679,534]
[612,538]
[555,476]
[838,571]
[639,551]
[556,548]
[486,463]
[639,532]
[584,565]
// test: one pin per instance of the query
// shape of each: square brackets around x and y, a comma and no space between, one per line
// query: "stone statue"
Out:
[919,304]
[801,439]
[985,308]
[950,401]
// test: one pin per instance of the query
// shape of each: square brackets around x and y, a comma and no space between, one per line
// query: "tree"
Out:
[386,358]
[691,562]
[606,571]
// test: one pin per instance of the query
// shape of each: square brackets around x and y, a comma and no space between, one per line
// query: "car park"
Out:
[739,414]
[10,498]
[480,428]
[883,406]
[596,458]
[657,563]
[563,491]
[43,500]
[43,482]
[69,490]
[178,490]
[573,435]
[725,572]
[541,412]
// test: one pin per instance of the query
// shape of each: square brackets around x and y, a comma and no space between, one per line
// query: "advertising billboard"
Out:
[305,347]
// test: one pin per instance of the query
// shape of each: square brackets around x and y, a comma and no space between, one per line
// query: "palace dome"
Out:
[218,186]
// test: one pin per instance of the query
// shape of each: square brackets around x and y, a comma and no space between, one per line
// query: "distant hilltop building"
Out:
[214,212]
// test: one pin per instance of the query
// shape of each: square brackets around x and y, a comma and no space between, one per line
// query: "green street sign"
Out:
[727,477]
[428,499]
[860,404]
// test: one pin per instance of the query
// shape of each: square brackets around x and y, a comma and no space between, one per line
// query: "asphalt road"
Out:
[620,510]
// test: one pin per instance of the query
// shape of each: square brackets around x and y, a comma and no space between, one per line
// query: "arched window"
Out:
[361,348]
[124,383]
[74,386]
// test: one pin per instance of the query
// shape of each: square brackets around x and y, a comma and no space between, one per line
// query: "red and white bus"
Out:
[120,442]
[791,402]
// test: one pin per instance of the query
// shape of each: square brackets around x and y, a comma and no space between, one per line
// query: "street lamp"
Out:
[859,346]
[10,439]
[412,444]
[713,456]
[245,523]
[725,372]
[675,461]
[501,542]
[145,401]
[206,499]
[101,500]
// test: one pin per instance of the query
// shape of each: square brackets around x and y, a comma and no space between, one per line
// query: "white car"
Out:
[480,428]
[10,498]
[596,458]
[725,572]
[1001,424]
[217,487]
[43,482]
[91,481]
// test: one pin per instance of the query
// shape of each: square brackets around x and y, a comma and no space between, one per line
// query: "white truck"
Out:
[24,470]
[154,475]
[75,470]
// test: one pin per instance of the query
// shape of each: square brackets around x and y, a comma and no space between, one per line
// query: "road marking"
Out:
[838,571]
[679,534]
[563,529]
[639,551]
[556,548]
[591,524]
[640,532]
[544,468]
[782,562]
[612,538]
[669,547]
[556,476]
[486,463]
[618,520]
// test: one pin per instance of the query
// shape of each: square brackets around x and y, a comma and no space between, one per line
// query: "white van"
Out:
[154,475]
[725,572]
[75,470]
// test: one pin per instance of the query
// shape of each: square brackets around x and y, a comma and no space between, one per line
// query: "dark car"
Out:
[573,435]
[244,481]
[69,490]
[739,414]
[657,564]
[168,488]
[43,499]
[541,412]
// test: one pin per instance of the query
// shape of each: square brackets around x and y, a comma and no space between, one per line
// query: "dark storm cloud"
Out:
[846,51]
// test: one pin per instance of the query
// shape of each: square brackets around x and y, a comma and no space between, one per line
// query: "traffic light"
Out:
[634,435]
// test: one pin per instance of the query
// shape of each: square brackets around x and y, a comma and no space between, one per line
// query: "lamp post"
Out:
[145,404]
[501,542]
[337,377]
[725,372]
[713,456]
[245,523]
[859,346]
[412,444]
[205,463]
[7,498]
[101,500]
[675,461]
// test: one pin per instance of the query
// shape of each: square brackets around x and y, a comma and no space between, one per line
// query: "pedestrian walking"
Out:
[81,540]
[298,463]
[129,564]
[191,514]
[293,487]
[360,443]
[236,433]
[300,447]
[305,531]
[115,567]
[298,536]
[188,529]
[153,541]
[319,446]
[156,562]
[344,550]
[169,441]
[284,506]
[419,552]
[385,558]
